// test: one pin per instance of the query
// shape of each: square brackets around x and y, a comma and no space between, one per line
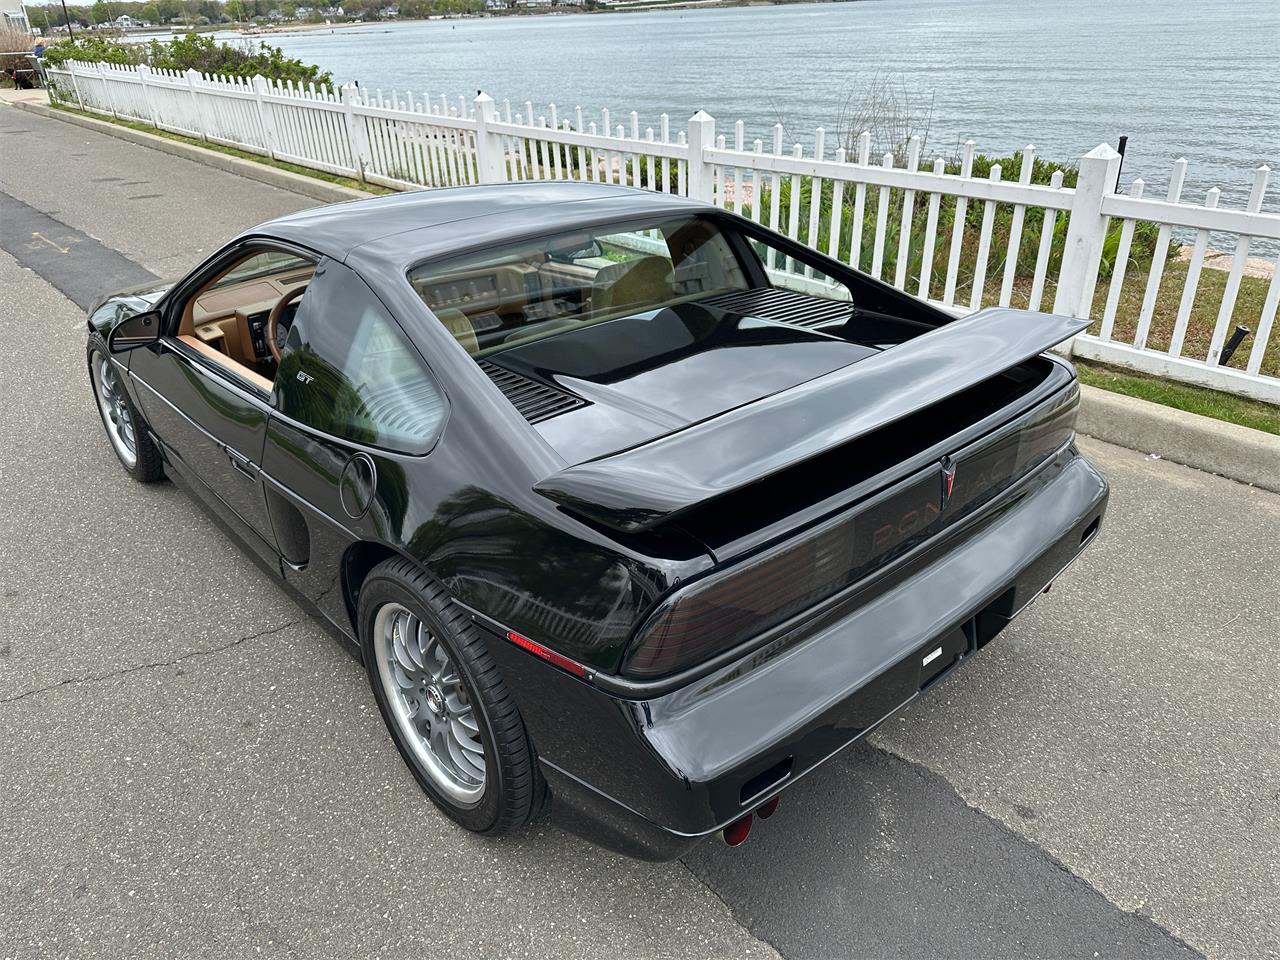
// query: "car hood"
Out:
[655,373]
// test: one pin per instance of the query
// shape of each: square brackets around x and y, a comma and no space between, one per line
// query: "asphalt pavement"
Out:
[191,766]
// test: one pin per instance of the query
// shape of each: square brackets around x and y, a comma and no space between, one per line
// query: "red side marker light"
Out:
[737,832]
[553,658]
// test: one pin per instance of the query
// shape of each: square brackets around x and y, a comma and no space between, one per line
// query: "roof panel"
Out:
[337,229]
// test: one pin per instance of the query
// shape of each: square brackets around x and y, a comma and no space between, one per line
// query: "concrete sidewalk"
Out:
[11,96]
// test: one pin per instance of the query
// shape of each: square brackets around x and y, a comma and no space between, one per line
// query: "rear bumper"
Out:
[651,777]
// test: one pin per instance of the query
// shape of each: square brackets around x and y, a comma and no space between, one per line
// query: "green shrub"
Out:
[192,52]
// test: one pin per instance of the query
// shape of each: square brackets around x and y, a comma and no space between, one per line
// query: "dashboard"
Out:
[233,319]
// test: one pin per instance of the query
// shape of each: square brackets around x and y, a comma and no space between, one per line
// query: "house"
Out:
[389,13]
[13,15]
[126,22]
[333,12]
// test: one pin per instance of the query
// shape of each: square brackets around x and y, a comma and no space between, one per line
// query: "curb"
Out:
[249,169]
[1239,453]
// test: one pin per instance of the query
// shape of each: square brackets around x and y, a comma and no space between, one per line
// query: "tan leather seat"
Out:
[646,280]
[456,322]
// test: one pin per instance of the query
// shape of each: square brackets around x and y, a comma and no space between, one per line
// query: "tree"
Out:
[235,10]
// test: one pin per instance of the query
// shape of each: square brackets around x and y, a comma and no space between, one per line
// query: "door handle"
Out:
[242,464]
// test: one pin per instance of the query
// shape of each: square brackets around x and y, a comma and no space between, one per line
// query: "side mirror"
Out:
[137,331]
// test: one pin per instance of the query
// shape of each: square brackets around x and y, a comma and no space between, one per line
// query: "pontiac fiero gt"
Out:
[636,511]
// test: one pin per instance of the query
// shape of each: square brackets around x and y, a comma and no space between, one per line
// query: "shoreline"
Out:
[637,6]
[1263,268]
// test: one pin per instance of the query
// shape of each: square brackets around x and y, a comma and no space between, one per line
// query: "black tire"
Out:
[514,789]
[148,463]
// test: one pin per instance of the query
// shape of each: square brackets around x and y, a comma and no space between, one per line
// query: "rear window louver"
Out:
[536,401]
[784,306]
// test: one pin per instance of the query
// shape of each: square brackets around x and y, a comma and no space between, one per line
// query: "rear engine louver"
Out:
[536,401]
[785,306]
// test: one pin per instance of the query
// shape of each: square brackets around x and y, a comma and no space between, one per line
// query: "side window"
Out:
[790,274]
[348,370]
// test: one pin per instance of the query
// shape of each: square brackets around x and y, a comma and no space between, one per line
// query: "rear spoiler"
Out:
[640,488]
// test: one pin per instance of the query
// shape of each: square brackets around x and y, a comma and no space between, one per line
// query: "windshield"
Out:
[260,265]
[525,291]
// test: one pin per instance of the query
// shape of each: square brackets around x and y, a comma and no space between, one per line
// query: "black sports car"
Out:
[636,511]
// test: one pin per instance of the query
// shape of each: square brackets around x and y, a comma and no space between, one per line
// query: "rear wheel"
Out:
[444,702]
[125,427]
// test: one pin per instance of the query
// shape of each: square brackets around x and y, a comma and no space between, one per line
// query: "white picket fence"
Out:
[865,211]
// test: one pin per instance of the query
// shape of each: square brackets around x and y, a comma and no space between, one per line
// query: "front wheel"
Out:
[125,428]
[444,702]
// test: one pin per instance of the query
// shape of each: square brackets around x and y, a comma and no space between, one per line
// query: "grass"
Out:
[1181,396]
[1204,313]
[229,151]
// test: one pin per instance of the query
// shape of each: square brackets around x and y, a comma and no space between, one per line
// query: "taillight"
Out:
[726,610]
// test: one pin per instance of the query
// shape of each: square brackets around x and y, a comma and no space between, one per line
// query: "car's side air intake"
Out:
[535,401]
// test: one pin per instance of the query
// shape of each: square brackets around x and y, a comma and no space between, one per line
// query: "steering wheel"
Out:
[273,331]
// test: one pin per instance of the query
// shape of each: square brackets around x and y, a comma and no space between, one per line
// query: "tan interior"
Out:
[646,280]
[456,322]
[500,303]
[217,323]
[527,294]
[203,348]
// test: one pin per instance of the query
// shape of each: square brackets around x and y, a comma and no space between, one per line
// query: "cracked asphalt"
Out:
[190,765]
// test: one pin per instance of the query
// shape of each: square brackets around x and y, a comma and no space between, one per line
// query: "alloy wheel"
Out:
[430,702]
[114,407]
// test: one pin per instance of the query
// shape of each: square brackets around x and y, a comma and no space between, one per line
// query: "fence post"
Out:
[75,84]
[490,163]
[1086,232]
[106,90]
[197,117]
[143,72]
[266,118]
[357,138]
[702,134]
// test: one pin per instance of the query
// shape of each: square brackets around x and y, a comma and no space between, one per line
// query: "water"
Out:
[1200,80]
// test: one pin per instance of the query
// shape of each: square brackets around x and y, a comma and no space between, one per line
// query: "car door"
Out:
[354,407]
[212,424]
